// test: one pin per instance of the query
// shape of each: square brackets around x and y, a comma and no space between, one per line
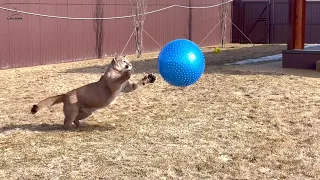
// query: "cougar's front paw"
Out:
[151,78]
[127,74]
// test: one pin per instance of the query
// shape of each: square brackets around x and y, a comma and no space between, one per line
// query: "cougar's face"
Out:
[121,63]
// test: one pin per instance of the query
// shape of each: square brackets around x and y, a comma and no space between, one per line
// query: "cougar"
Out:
[80,103]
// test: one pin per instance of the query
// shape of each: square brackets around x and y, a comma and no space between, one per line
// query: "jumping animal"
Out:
[80,103]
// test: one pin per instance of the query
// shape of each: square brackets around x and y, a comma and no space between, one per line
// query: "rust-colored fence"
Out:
[28,40]
[266,21]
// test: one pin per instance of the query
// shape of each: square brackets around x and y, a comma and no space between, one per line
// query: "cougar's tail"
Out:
[50,101]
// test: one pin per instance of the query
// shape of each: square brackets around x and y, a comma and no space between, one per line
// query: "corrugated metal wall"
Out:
[279,22]
[237,6]
[255,24]
[35,40]
[204,20]
[276,26]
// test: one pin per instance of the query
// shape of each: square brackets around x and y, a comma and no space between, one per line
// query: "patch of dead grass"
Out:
[230,125]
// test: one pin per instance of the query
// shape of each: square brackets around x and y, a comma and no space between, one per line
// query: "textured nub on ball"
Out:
[181,62]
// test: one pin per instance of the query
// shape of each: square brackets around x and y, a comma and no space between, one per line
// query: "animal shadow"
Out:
[55,127]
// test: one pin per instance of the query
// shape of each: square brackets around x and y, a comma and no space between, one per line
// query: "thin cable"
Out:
[210,32]
[127,42]
[152,38]
[117,17]
[240,30]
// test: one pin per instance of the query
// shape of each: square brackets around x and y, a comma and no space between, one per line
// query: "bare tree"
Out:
[223,12]
[98,28]
[139,7]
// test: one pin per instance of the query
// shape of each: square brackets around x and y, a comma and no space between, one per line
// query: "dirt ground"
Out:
[232,124]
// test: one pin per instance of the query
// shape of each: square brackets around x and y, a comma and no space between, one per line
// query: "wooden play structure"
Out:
[296,56]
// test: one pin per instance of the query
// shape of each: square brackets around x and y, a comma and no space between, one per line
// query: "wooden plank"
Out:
[318,66]
[300,59]
[297,18]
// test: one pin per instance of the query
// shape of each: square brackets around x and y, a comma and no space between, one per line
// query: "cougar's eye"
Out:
[127,66]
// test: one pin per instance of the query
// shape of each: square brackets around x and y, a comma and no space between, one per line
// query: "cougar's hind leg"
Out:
[81,115]
[70,112]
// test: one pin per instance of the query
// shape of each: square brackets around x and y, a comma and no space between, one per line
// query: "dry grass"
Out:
[230,125]
[236,52]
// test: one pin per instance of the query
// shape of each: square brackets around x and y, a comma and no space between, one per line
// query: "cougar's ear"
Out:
[115,59]
[116,56]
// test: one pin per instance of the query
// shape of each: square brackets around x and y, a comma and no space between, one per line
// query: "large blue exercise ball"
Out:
[181,62]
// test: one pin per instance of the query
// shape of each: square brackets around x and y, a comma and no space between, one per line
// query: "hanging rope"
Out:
[152,38]
[240,30]
[117,17]
[127,42]
[210,32]
[130,16]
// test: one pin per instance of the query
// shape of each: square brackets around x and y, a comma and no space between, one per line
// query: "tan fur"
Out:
[80,103]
